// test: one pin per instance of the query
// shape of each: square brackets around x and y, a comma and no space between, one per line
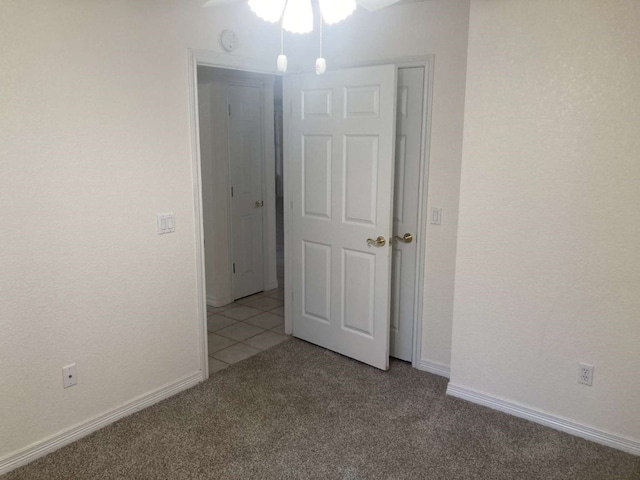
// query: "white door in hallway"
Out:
[405,209]
[340,190]
[245,170]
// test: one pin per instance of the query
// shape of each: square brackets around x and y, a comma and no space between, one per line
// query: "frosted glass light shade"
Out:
[269,10]
[298,17]
[282,63]
[334,11]
[321,66]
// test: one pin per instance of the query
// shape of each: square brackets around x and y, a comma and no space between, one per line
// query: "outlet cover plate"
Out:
[585,374]
[69,376]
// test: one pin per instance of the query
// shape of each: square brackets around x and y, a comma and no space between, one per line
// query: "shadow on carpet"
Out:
[298,411]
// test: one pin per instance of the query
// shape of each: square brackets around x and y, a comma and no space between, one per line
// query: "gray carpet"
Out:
[300,412]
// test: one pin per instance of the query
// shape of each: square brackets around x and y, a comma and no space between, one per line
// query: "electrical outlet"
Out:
[69,376]
[585,374]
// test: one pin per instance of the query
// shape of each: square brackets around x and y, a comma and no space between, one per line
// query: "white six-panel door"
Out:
[340,172]
[405,209]
[245,170]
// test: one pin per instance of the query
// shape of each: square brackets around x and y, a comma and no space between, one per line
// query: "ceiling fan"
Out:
[371,5]
[296,16]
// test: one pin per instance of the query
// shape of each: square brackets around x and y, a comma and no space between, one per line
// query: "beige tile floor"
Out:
[244,328]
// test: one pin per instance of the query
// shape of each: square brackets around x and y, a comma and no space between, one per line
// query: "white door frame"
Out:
[427,62]
[232,62]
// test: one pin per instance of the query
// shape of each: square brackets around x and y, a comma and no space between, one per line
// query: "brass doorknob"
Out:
[378,242]
[259,203]
[406,238]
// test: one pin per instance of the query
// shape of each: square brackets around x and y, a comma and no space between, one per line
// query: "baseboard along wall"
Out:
[218,301]
[538,416]
[59,440]
[435,368]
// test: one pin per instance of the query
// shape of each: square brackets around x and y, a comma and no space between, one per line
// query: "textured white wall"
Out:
[548,264]
[94,141]
[428,27]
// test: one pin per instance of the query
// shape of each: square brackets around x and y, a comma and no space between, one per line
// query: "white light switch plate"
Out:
[436,216]
[166,223]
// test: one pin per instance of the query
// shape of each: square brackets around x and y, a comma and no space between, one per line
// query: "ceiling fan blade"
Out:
[374,5]
[216,3]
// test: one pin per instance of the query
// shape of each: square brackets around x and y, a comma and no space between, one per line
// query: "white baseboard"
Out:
[434,367]
[54,442]
[538,416]
[218,301]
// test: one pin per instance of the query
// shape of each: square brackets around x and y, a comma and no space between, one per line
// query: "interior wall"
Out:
[421,28]
[548,264]
[94,141]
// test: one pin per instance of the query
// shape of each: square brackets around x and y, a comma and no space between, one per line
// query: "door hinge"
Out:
[231,192]
[229,108]
[234,268]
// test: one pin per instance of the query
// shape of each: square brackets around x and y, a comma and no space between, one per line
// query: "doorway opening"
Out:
[240,115]
[242,322]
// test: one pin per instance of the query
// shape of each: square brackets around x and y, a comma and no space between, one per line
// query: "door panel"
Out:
[358,271]
[245,167]
[405,215]
[316,265]
[360,178]
[340,172]
[316,176]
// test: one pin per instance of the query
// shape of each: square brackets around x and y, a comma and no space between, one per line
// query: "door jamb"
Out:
[427,62]
[231,62]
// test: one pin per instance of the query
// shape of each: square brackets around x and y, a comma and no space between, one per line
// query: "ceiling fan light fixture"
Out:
[298,16]
[268,10]
[281,63]
[334,11]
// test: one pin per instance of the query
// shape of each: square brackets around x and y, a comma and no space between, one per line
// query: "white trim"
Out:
[544,418]
[219,301]
[270,255]
[54,442]
[427,63]
[436,368]
[287,206]
[196,170]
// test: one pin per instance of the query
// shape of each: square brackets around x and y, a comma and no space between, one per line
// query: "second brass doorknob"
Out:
[406,238]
